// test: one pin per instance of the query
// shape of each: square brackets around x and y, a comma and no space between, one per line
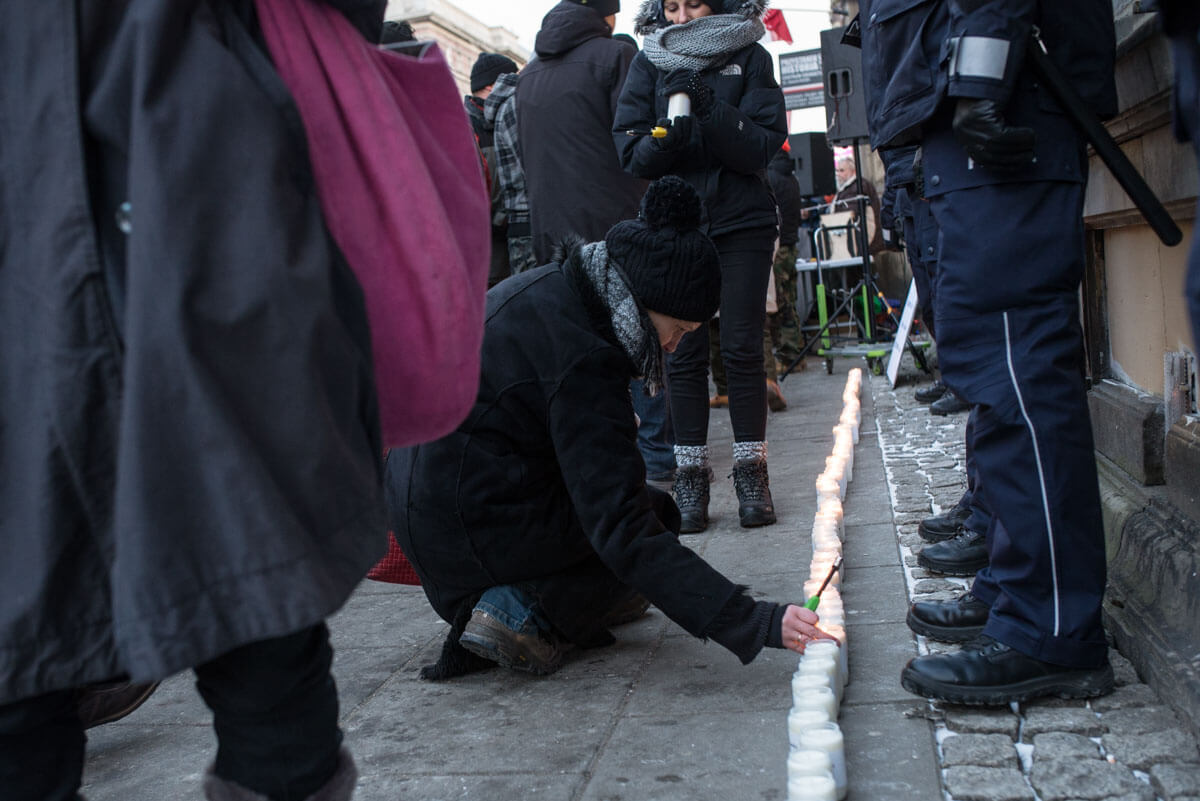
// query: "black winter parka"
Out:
[727,157]
[545,472]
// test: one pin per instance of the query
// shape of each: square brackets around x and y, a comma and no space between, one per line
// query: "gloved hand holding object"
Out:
[688,82]
[679,133]
[981,129]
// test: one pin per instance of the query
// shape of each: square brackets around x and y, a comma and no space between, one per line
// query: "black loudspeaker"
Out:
[845,96]
[814,163]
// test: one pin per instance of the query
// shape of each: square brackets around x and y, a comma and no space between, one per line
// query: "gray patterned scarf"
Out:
[702,43]
[635,332]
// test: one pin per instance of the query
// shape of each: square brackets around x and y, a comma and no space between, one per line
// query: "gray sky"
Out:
[524,17]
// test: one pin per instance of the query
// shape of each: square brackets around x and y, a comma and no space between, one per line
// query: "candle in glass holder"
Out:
[822,565]
[825,667]
[822,699]
[825,543]
[831,509]
[827,737]
[827,488]
[800,720]
[839,634]
[813,787]
[808,762]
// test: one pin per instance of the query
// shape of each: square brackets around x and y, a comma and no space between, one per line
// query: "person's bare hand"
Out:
[800,628]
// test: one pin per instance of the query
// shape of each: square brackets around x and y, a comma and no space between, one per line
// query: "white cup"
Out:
[827,737]
[815,787]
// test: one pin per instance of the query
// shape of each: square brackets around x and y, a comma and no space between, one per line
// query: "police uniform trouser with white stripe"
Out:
[1011,261]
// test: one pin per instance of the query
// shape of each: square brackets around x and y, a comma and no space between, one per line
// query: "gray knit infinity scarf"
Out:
[702,43]
[635,332]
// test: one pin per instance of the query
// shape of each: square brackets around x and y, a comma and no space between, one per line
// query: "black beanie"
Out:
[602,7]
[488,67]
[672,267]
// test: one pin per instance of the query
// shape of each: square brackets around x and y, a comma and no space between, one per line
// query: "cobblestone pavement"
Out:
[1128,746]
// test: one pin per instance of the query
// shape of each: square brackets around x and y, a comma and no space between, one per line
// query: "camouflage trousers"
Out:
[784,325]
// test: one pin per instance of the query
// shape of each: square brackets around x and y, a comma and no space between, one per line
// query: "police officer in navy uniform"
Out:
[957,542]
[1181,22]
[1004,171]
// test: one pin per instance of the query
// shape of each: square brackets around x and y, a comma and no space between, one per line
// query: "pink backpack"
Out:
[399,183]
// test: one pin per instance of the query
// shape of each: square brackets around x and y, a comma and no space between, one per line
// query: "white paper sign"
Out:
[910,309]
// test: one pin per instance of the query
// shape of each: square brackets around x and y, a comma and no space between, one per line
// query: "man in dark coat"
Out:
[487,68]
[566,98]
[531,526]
[565,101]
[189,438]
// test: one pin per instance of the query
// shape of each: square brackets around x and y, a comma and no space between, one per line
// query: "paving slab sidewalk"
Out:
[659,715]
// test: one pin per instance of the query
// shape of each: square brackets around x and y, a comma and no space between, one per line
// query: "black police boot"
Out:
[691,496]
[990,673]
[946,525]
[755,507]
[962,555]
[959,620]
[930,393]
[949,404]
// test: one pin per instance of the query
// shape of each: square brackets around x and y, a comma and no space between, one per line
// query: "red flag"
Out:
[776,25]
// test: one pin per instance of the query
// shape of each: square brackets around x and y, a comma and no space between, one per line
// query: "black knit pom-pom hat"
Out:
[672,267]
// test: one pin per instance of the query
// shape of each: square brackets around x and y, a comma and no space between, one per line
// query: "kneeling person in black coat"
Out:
[531,526]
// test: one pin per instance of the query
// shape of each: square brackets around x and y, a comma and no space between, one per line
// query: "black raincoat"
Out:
[566,98]
[189,444]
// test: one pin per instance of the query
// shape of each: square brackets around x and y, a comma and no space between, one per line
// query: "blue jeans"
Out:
[515,608]
[656,438]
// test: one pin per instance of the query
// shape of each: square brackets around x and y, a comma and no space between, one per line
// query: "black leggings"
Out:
[745,273]
[274,709]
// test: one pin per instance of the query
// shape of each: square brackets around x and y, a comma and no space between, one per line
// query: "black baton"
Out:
[1106,147]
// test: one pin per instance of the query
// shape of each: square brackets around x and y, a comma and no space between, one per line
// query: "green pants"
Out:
[784,325]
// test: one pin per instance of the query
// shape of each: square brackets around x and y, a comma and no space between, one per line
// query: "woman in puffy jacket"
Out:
[708,50]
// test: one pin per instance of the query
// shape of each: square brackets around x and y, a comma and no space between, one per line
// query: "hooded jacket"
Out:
[727,156]
[545,472]
[189,438]
[566,98]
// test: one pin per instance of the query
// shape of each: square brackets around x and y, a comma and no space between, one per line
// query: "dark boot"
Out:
[625,611]
[990,673]
[959,620]
[949,404]
[339,787]
[930,393]
[691,496]
[946,525]
[963,555]
[534,651]
[753,486]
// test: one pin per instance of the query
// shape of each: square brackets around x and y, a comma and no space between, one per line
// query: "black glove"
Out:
[679,133]
[689,81]
[980,128]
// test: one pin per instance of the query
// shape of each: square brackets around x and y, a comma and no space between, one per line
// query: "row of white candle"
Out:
[816,765]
